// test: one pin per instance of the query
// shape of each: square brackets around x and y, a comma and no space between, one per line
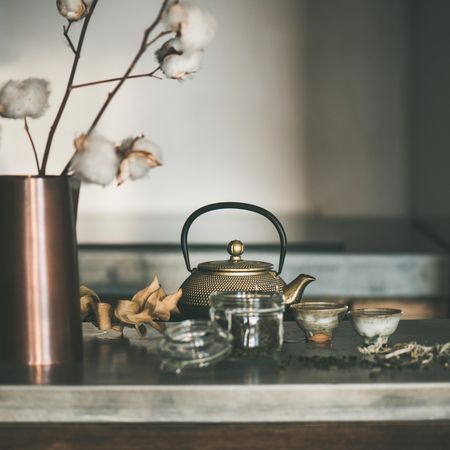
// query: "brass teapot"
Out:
[234,274]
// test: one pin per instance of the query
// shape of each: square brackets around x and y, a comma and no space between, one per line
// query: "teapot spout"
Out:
[294,290]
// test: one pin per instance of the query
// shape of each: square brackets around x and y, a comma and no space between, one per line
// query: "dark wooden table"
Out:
[119,399]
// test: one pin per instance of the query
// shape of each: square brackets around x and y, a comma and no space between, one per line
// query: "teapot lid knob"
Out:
[235,249]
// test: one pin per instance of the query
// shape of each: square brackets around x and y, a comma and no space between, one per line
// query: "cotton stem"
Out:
[68,89]
[27,129]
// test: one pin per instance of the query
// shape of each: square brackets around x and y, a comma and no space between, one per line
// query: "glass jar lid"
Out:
[193,344]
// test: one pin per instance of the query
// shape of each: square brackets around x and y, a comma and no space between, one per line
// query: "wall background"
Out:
[302,107]
[430,112]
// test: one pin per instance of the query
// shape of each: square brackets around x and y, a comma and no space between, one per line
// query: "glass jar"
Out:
[193,344]
[254,319]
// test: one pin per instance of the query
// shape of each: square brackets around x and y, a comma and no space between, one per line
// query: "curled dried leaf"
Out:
[86,303]
[154,298]
[124,309]
[88,299]
[84,290]
[142,295]
[165,306]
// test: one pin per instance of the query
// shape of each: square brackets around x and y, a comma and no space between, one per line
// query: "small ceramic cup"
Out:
[318,319]
[375,325]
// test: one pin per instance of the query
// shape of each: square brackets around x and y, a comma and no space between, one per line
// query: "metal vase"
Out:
[39,284]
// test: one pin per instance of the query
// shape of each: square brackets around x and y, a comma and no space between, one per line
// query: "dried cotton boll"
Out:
[146,145]
[182,66]
[125,146]
[174,17]
[138,160]
[96,160]
[24,98]
[140,164]
[171,47]
[74,9]
[197,29]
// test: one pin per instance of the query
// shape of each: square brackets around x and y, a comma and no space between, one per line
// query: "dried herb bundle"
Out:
[408,354]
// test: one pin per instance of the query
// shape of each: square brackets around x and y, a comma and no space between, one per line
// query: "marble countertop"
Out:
[120,381]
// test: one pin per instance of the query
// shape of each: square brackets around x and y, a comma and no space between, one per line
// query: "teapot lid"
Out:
[235,263]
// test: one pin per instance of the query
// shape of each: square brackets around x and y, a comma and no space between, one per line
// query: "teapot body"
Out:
[197,288]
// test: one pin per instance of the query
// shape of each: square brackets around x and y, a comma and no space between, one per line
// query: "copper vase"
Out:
[39,285]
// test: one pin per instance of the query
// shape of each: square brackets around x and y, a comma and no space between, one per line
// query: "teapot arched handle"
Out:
[233,205]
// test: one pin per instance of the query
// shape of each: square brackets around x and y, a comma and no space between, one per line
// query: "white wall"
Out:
[300,107]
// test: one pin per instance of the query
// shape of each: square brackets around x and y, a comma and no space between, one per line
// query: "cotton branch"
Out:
[27,129]
[110,80]
[145,43]
[66,35]
[160,35]
[142,48]
[68,88]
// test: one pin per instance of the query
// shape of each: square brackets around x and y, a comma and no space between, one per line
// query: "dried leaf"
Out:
[165,306]
[142,295]
[88,298]
[154,298]
[84,290]
[143,316]
[124,309]
[85,305]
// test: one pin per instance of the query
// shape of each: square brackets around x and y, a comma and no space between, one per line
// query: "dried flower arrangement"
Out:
[151,306]
[98,159]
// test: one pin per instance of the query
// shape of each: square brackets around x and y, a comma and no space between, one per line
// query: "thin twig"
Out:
[399,352]
[160,35]
[109,80]
[66,35]
[27,129]
[137,57]
[68,89]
